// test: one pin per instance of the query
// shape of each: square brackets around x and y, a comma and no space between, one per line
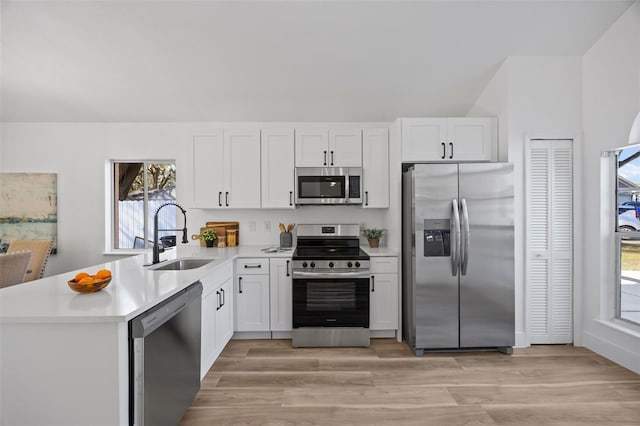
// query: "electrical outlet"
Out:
[252,226]
[267,226]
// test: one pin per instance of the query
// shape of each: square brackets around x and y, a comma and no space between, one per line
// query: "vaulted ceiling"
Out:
[274,60]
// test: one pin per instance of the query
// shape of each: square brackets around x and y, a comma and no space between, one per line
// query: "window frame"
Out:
[619,237]
[111,226]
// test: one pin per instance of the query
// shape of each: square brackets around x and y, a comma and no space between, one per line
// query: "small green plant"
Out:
[373,233]
[208,235]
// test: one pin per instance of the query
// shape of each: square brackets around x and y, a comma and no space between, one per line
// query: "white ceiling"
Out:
[273,61]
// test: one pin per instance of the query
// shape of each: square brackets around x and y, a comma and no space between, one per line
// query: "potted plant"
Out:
[373,235]
[208,236]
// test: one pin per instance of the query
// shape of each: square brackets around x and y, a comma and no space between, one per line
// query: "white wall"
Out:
[79,152]
[531,96]
[611,99]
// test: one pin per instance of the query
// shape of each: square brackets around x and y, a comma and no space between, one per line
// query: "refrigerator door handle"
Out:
[455,237]
[464,252]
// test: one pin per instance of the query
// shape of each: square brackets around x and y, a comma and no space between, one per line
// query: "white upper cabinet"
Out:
[208,170]
[449,139]
[328,148]
[345,148]
[277,169]
[375,168]
[227,169]
[312,148]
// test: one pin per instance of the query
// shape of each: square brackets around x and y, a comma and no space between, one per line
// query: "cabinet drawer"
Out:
[384,265]
[252,266]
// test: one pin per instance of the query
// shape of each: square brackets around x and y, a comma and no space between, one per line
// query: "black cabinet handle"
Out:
[219,304]
[451,146]
[325,158]
[226,198]
[223,301]
[288,273]
[373,283]
[239,284]
[444,150]
[252,266]
[220,198]
[332,158]
[366,198]
[290,198]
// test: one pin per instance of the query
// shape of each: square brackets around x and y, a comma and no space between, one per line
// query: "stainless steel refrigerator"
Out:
[458,256]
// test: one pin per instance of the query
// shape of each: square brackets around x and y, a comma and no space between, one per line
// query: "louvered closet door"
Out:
[550,241]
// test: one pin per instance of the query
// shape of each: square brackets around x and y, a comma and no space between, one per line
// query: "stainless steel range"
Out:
[330,287]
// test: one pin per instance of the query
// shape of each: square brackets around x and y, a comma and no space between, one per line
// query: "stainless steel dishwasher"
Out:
[164,359]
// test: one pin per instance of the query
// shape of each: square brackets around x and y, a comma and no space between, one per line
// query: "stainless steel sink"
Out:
[181,264]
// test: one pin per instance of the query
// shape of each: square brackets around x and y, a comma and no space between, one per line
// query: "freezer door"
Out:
[487,258]
[435,278]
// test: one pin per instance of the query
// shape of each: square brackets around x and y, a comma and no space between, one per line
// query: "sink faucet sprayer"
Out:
[156,248]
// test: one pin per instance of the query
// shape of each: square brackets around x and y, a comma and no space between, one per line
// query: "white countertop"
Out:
[132,290]
[379,252]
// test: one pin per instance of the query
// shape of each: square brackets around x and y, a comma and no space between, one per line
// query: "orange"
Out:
[103,274]
[79,276]
[86,280]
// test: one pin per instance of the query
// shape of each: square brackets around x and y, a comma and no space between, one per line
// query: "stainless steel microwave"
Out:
[328,185]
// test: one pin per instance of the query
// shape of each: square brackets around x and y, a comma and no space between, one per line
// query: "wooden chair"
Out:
[13,267]
[41,250]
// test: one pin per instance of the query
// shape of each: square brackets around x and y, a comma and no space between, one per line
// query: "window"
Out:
[628,234]
[139,188]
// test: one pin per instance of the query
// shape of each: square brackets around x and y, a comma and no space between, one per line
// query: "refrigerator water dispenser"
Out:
[437,237]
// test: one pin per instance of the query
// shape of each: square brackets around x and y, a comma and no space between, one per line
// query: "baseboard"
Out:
[379,334]
[245,335]
[612,351]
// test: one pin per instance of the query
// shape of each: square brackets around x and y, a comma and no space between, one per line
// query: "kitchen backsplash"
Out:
[261,226]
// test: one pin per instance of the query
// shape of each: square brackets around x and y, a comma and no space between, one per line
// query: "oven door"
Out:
[330,299]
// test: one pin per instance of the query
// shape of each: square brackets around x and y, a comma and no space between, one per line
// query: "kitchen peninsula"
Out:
[64,355]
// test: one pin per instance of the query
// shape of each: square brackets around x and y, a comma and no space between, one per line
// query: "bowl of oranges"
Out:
[87,283]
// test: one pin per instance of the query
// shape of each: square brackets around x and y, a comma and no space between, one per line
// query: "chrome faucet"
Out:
[156,248]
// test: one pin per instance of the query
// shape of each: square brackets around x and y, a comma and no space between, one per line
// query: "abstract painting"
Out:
[28,208]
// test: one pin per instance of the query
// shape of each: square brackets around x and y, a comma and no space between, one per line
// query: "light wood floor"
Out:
[267,382]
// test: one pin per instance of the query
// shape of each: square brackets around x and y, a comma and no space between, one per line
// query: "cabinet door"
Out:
[312,148]
[384,302]
[471,139]
[345,148]
[224,316]
[424,139]
[208,170]
[281,296]
[251,299]
[242,155]
[277,169]
[375,168]
[207,331]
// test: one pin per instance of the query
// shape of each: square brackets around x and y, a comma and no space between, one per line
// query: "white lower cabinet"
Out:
[281,295]
[216,316]
[251,295]
[384,293]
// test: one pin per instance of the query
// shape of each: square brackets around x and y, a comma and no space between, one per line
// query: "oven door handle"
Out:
[330,275]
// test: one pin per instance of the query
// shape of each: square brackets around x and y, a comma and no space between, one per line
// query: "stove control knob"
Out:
[330,264]
[304,264]
[313,265]
[357,264]
[349,265]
